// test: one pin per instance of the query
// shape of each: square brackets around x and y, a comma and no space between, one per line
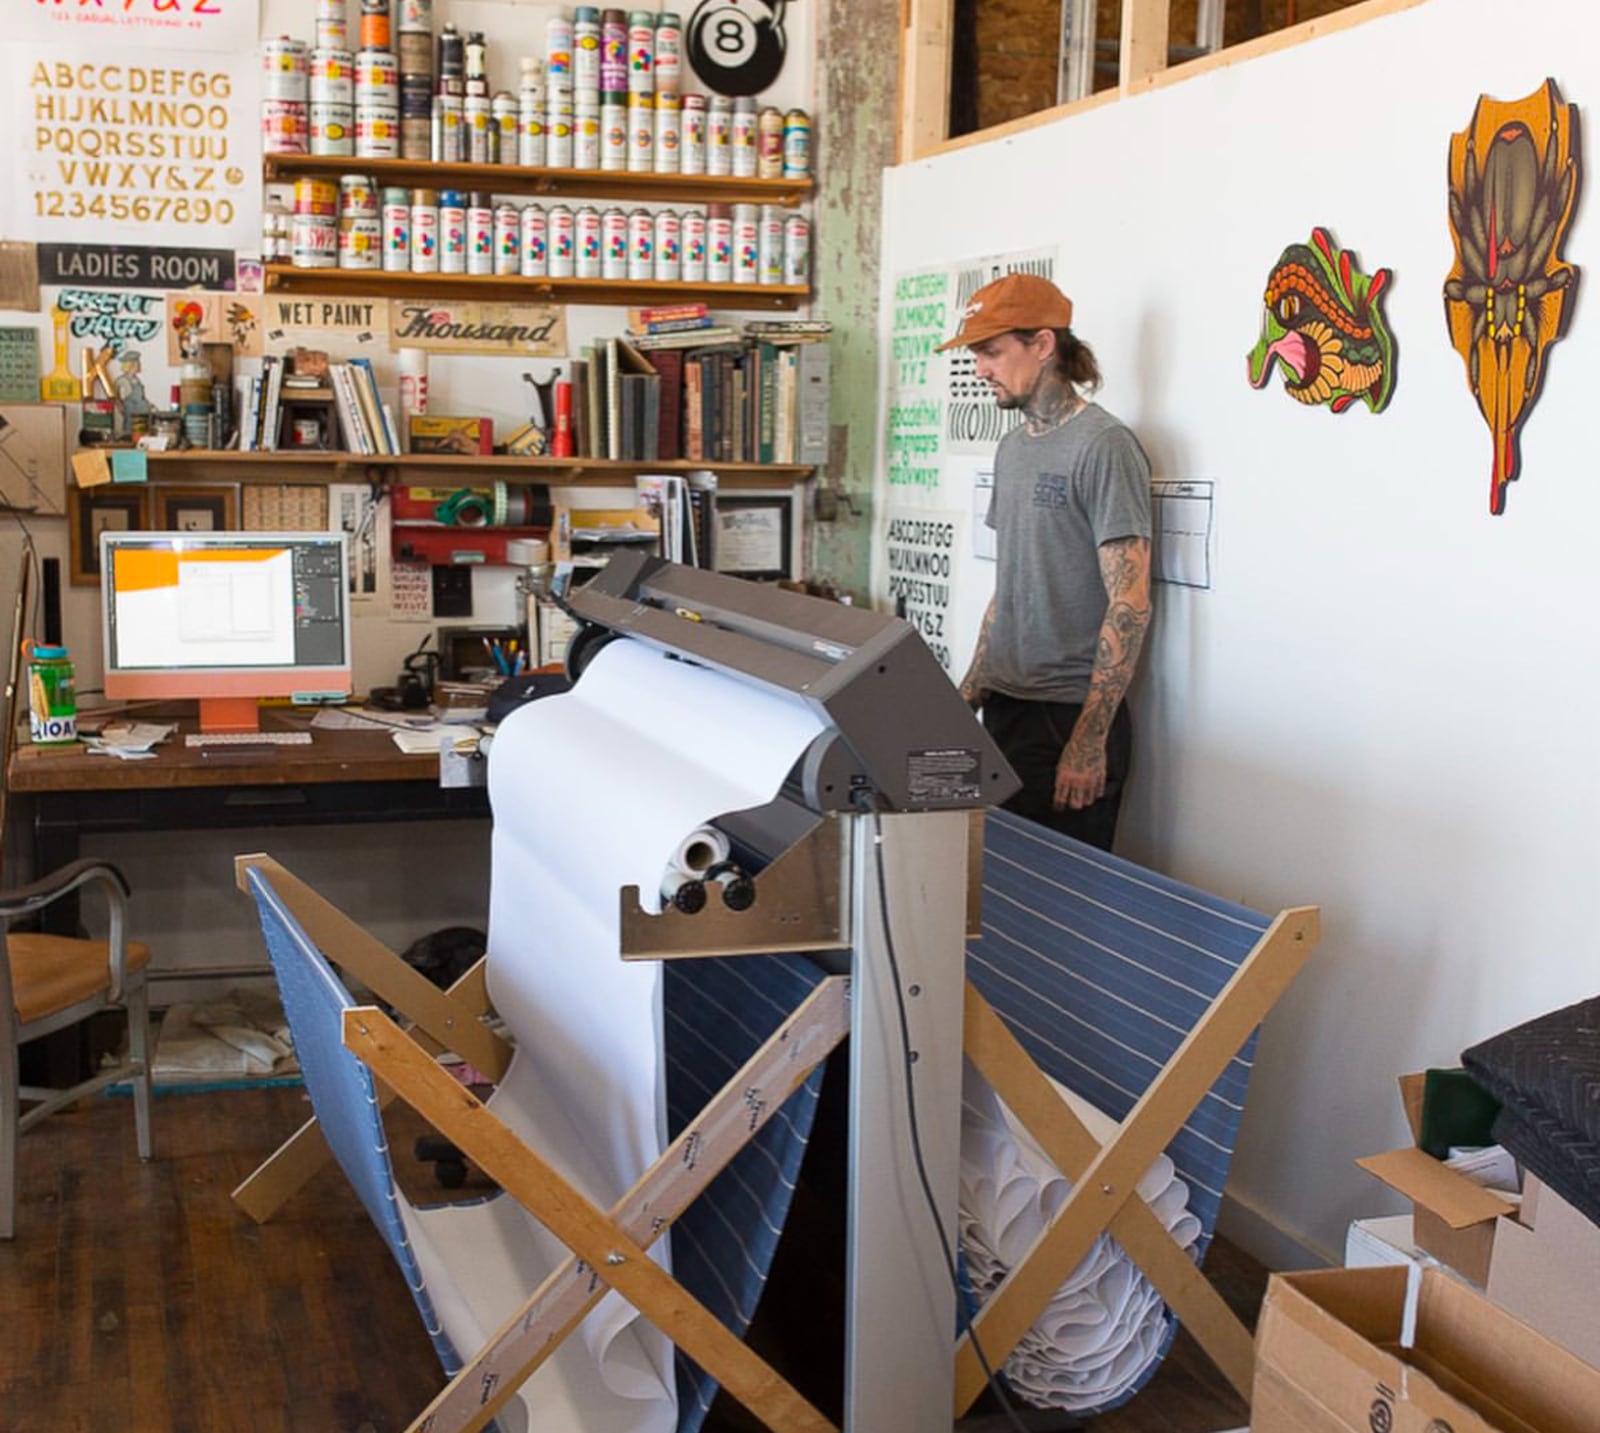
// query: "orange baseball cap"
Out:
[1016,301]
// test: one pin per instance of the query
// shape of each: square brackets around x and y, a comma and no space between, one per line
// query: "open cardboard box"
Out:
[1334,1355]
[1546,1270]
[1453,1218]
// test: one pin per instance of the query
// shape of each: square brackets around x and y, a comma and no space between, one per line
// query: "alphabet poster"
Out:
[133,123]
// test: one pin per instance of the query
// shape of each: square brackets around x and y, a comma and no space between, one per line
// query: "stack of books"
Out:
[709,393]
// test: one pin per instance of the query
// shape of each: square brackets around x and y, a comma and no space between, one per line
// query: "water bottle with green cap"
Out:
[52,696]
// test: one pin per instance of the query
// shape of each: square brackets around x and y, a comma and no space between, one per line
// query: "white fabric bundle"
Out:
[1104,1326]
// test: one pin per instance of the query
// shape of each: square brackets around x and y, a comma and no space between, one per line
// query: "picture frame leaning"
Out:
[116,507]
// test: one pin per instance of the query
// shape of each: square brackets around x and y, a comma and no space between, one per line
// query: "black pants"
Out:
[1032,734]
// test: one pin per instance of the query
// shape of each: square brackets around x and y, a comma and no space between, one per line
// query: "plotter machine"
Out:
[871,852]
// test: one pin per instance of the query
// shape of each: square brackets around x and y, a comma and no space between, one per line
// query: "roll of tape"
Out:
[700,850]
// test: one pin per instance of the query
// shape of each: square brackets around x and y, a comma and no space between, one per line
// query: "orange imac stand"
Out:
[229,714]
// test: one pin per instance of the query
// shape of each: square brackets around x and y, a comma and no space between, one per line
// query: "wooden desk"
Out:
[342,777]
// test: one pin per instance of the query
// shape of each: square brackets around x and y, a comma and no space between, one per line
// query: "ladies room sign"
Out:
[134,121]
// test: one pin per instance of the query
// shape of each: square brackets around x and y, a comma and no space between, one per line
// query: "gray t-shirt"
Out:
[1057,498]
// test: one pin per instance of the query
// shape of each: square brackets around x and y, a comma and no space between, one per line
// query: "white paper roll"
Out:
[699,851]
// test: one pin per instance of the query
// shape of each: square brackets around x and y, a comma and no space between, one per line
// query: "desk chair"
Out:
[48,982]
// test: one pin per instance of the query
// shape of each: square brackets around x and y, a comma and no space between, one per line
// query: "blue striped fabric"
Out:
[1101,969]
[341,1088]
[718,1013]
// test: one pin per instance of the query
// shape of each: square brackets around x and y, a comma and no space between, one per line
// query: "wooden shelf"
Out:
[555,183]
[207,465]
[286,279]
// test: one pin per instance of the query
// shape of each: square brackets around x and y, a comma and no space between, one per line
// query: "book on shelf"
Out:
[271,401]
[687,338]
[788,330]
[626,403]
[640,319]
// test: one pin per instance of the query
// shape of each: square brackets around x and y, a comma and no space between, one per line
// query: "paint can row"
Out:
[448,231]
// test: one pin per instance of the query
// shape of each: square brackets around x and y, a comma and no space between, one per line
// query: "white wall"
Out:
[1388,704]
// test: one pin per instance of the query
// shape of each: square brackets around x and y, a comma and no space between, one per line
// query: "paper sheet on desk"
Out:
[591,791]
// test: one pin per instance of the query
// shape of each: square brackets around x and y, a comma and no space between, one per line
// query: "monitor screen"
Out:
[226,617]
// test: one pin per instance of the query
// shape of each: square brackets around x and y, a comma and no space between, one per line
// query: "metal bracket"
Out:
[798,907]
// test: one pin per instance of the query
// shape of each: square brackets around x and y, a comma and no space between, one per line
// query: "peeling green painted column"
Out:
[859,61]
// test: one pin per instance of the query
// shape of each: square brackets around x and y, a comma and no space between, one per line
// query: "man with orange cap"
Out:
[1071,513]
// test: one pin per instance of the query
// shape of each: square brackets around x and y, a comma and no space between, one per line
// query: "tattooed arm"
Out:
[972,690]
[1125,570]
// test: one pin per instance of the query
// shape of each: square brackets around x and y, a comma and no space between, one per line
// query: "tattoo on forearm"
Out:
[1125,569]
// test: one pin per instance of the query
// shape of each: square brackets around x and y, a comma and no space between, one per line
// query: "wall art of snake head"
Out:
[1323,328]
[1514,177]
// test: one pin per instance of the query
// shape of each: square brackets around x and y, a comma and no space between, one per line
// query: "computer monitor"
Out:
[225,617]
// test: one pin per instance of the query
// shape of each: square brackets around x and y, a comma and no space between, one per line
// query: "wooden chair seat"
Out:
[54,972]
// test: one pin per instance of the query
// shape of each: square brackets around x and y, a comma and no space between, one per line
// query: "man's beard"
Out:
[1004,398]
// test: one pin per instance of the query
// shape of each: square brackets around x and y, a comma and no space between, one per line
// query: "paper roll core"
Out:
[700,850]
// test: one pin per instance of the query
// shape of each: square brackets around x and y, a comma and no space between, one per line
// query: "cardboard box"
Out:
[1546,1270]
[1453,1218]
[1333,1356]
[437,433]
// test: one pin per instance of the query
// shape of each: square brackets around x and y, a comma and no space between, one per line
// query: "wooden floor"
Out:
[137,1299]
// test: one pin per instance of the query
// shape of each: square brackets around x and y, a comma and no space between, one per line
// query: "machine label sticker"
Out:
[947,774]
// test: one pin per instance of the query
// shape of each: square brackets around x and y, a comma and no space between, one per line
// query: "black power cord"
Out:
[916,1134]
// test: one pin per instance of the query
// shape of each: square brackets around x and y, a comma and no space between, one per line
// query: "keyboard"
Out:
[247,738]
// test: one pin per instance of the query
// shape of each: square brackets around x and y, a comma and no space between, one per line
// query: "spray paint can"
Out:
[586,227]
[558,132]
[797,249]
[563,242]
[558,55]
[586,136]
[641,52]
[613,52]
[530,114]
[769,144]
[396,219]
[719,136]
[586,52]
[694,246]
[507,240]
[52,696]
[692,138]
[641,132]
[613,134]
[742,140]
[669,246]
[424,231]
[769,250]
[796,145]
[746,244]
[480,235]
[534,227]
[507,144]
[641,245]
[449,129]
[669,134]
[477,115]
[719,244]
[669,53]
[452,232]
[614,244]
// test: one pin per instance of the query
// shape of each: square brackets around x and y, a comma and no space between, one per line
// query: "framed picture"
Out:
[755,536]
[116,507]
[196,509]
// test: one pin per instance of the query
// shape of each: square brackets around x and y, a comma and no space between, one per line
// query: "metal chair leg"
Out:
[138,1003]
[10,1113]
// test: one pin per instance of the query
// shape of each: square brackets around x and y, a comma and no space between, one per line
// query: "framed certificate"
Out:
[755,536]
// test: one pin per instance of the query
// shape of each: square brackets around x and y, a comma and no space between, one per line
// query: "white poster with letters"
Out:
[135,123]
